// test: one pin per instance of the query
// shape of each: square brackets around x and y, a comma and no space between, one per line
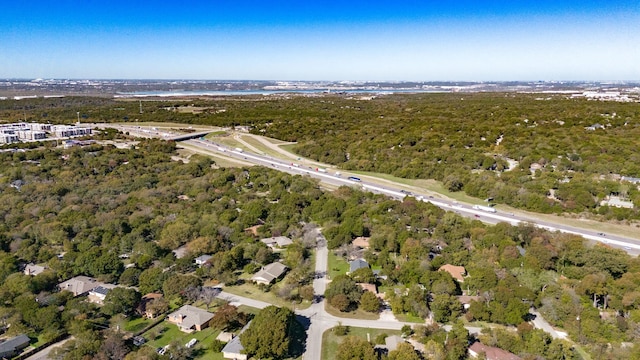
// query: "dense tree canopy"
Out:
[269,334]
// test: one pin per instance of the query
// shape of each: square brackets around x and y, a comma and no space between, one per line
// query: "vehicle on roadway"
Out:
[353,178]
[484,208]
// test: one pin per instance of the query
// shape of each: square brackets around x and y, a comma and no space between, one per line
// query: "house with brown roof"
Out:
[490,352]
[369,287]
[253,230]
[190,318]
[457,272]
[361,242]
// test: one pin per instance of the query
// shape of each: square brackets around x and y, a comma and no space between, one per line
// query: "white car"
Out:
[190,344]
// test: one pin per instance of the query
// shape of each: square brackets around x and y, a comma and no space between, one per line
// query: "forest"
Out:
[78,210]
[529,151]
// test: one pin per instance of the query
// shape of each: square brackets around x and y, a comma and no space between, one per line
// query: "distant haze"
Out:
[322,40]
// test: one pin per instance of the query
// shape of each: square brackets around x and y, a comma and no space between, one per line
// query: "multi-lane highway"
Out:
[396,191]
[628,244]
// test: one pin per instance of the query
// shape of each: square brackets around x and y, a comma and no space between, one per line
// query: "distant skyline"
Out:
[399,40]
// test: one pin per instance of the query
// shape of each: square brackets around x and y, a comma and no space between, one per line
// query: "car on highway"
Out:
[601,234]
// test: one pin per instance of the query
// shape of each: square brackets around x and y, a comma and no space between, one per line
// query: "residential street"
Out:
[318,319]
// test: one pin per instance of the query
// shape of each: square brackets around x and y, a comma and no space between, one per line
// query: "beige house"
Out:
[190,318]
[361,242]
[490,352]
[33,269]
[277,242]
[457,272]
[269,273]
[79,285]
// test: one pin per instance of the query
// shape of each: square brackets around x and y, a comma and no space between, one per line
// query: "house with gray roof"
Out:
[357,264]
[79,285]
[234,349]
[10,347]
[390,344]
[190,318]
[277,242]
[33,269]
[202,259]
[269,273]
[99,293]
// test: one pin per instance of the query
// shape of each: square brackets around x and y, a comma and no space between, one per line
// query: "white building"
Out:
[31,135]
[8,138]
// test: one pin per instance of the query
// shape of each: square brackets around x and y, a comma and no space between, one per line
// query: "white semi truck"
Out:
[484,208]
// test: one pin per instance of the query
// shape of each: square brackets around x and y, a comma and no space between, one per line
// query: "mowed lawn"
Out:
[252,291]
[170,332]
[337,265]
[330,340]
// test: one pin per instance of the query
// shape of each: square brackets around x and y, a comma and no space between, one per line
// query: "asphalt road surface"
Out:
[333,178]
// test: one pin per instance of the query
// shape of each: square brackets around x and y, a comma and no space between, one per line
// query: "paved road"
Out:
[630,245]
[240,300]
[319,320]
[44,353]
[540,323]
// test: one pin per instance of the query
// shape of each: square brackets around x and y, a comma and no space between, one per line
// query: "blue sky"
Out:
[328,40]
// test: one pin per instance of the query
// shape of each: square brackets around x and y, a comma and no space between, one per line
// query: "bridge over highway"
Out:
[184,137]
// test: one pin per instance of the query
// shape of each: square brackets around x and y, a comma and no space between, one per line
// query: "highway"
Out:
[630,245]
[334,178]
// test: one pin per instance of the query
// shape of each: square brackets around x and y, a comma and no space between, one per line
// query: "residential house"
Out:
[616,201]
[33,269]
[490,352]
[99,293]
[79,285]
[390,344]
[253,230]
[372,288]
[357,264]
[466,300]
[234,349]
[633,180]
[202,259]
[361,242]
[224,336]
[269,273]
[180,252]
[277,242]
[190,318]
[144,301]
[10,347]
[457,272]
